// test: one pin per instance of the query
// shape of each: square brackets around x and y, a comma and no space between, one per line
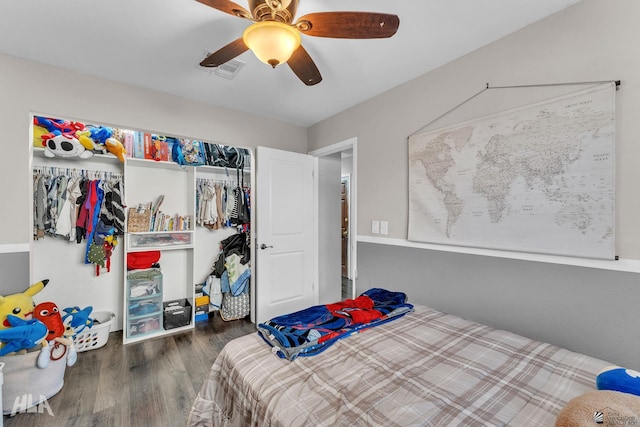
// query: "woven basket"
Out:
[138,221]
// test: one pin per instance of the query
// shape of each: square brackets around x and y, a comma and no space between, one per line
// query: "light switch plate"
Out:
[384,227]
[375,226]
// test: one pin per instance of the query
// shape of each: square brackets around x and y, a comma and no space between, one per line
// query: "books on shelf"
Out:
[156,220]
[164,222]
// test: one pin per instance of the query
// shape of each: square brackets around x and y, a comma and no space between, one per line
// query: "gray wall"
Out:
[27,87]
[585,309]
[14,272]
[589,41]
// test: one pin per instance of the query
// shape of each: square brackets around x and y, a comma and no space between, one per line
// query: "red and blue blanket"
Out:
[311,331]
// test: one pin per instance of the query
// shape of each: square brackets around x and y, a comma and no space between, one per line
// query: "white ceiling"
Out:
[157,44]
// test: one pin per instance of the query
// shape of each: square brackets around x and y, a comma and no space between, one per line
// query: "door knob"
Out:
[263,246]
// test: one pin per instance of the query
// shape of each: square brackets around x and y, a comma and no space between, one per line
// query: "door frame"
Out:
[346,145]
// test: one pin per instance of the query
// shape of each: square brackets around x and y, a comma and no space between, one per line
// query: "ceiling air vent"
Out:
[229,69]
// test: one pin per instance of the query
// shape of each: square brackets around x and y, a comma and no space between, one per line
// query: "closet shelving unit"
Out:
[183,263]
[145,180]
[186,256]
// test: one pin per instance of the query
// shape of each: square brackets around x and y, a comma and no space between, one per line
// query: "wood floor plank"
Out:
[111,375]
[79,391]
[149,383]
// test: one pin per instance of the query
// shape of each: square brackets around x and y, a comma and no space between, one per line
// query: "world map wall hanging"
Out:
[539,179]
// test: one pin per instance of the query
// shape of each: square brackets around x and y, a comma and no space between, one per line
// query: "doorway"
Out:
[336,189]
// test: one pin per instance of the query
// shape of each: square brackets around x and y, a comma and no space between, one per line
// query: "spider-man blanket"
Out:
[310,331]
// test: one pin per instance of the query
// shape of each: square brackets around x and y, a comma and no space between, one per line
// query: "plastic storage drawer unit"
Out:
[143,325]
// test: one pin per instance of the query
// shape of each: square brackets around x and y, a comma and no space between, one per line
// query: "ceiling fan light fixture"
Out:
[271,41]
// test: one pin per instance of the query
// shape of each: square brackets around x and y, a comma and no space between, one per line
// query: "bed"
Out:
[426,368]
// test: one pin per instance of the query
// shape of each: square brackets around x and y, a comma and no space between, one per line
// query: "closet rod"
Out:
[54,170]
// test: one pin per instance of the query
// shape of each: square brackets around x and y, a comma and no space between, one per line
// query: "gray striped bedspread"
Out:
[425,369]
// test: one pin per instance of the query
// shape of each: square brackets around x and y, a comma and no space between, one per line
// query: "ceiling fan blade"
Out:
[229,7]
[225,54]
[303,66]
[349,25]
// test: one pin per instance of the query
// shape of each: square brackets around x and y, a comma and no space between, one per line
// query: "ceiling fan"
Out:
[275,38]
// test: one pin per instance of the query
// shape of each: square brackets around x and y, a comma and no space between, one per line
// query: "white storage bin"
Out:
[22,377]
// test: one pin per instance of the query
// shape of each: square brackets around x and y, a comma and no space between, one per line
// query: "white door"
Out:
[285,248]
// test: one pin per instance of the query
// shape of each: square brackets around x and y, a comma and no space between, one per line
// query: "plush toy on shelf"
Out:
[116,148]
[60,139]
[57,126]
[101,138]
[66,146]
[38,131]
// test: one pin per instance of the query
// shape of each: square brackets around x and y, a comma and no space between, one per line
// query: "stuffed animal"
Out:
[78,319]
[84,137]
[619,379]
[59,332]
[20,305]
[600,407]
[22,335]
[116,148]
[101,138]
[64,145]
[38,132]
[60,139]
[48,313]
[57,126]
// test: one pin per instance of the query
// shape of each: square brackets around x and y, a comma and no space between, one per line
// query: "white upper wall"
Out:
[592,40]
[27,87]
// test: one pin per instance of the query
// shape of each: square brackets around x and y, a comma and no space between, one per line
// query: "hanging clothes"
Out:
[221,204]
[75,208]
[73,194]
[219,188]
[63,222]
[112,211]
[40,205]
[207,214]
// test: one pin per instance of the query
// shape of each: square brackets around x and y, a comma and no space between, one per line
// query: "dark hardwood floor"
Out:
[151,383]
